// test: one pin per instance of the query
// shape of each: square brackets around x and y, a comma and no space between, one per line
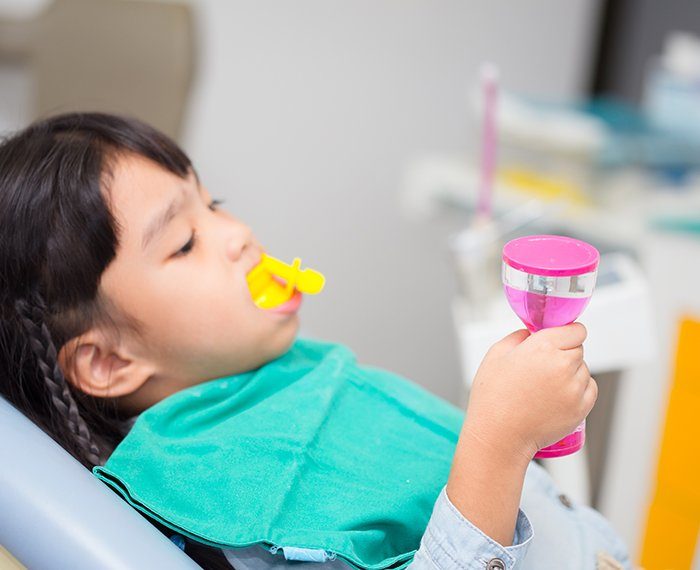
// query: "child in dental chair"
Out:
[123,301]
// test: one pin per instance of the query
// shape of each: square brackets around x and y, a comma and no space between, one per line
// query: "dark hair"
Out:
[57,236]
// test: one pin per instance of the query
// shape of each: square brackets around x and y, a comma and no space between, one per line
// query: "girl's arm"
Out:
[485,486]
[530,391]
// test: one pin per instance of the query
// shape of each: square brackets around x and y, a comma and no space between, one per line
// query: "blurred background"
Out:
[355,136]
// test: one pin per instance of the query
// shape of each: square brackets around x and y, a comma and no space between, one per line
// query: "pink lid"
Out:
[555,256]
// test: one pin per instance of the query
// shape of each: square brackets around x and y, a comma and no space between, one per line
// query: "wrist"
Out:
[510,448]
[485,484]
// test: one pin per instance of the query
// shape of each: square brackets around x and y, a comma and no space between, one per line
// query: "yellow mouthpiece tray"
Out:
[267,290]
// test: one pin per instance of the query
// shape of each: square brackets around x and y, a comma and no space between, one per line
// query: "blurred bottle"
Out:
[672,92]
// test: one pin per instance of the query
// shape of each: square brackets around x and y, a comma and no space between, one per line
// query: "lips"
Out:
[290,306]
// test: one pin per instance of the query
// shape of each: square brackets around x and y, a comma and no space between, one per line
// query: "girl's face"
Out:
[180,270]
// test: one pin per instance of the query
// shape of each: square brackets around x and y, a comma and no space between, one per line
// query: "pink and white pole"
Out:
[489,139]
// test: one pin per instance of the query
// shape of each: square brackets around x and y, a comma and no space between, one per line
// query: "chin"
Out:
[286,338]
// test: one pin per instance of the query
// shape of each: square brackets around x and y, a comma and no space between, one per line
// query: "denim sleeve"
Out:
[451,542]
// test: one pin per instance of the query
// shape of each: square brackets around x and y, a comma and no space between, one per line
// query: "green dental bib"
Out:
[310,451]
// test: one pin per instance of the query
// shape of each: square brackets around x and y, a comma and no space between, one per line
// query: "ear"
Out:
[100,366]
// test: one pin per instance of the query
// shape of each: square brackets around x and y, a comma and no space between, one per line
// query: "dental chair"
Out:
[55,514]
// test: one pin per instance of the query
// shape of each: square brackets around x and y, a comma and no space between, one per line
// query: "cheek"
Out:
[194,312]
[223,312]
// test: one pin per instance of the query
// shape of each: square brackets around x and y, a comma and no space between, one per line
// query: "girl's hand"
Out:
[530,391]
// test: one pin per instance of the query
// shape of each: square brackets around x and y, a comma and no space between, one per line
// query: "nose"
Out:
[240,237]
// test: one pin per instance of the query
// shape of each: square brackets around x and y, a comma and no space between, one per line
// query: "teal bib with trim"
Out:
[310,451]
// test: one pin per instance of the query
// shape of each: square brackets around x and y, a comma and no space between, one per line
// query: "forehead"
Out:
[137,189]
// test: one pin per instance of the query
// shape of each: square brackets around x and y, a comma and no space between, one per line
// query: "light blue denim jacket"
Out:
[551,534]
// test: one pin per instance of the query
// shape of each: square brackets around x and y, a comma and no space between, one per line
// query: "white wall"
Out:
[305,114]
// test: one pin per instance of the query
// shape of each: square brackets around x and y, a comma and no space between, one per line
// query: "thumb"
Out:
[508,343]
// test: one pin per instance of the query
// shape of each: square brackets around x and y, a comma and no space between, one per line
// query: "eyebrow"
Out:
[158,223]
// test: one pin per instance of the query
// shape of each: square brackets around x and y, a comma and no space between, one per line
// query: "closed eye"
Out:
[214,205]
[185,249]
[189,246]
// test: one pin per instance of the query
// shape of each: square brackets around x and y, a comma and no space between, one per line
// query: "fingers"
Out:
[565,338]
[588,388]
[509,342]
[575,355]
[590,395]
[577,350]
[583,374]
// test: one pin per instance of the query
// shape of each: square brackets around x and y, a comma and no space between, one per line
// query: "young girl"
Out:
[122,283]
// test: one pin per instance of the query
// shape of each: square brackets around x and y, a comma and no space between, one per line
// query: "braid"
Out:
[31,313]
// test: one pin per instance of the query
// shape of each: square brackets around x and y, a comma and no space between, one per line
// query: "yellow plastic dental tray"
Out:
[267,290]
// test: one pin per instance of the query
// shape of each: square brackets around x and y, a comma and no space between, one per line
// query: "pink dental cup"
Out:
[548,282]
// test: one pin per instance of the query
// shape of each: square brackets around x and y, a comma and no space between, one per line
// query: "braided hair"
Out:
[57,236]
[31,314]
